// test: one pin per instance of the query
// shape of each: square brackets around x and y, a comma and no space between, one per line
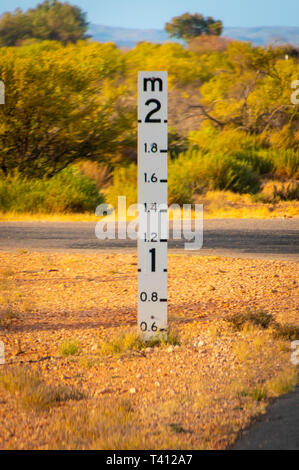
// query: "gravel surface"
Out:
[198,394]
[249,238]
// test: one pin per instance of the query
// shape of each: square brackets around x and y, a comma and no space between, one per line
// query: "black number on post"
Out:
[143,296]
[153,260]
[153,111]
[152,179]
[152,238]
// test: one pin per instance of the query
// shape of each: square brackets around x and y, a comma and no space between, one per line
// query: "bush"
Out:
[124,184]
[274,191]
[260,162]
[260,319]
[264,320]
[186,176]
[285,162]
[71,191]
[195,172]
[229,173]
[68,191]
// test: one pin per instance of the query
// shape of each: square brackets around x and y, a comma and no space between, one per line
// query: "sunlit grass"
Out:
[13,302]
[70,347]
[284,382]
[112,424]
[130,341]
[257,393]
[32,392]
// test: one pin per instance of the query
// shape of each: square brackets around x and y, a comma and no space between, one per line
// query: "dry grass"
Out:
[264,320]
[111,424]
[32,392]
[218,204]
[285,382]
[274,191]
[12,301]
[126,341]
[70,347]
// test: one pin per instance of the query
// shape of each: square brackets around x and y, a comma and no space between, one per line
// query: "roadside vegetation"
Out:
[68,125]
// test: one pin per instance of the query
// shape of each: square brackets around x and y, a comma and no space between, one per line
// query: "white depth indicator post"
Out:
[153,203]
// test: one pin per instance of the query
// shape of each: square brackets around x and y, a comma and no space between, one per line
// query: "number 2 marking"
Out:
[153,111]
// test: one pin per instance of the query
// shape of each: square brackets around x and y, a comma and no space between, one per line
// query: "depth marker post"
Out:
[153,203]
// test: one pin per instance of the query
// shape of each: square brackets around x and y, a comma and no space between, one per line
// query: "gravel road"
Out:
[278,430]
[250,238]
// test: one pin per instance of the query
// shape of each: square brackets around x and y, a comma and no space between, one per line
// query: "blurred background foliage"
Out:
[68,127]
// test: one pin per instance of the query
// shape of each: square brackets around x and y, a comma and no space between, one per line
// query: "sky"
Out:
[153,14]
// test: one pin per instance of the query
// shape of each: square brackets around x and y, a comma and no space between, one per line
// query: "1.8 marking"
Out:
[151,148]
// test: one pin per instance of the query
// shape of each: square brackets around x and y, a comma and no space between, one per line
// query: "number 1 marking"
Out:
[153,259]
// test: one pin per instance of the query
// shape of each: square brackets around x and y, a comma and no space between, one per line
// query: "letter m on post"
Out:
[2,92]
[152,82]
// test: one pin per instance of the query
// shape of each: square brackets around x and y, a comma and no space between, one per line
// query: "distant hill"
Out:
[263,35]
[129,37]
[126,36]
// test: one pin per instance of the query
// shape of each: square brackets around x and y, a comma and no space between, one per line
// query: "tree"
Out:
[251,93]
[188,26]
[61,105]
[49,20]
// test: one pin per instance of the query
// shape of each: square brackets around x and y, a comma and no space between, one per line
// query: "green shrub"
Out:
[68,191]
[260,319]
[124,184]
[186,176]
[70,348]
[264,320]
[228,173]
[195,172]
[287,331]
[260,162]
[285,163]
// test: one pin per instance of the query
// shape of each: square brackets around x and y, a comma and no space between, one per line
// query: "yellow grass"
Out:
[260,212]
[32,392]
